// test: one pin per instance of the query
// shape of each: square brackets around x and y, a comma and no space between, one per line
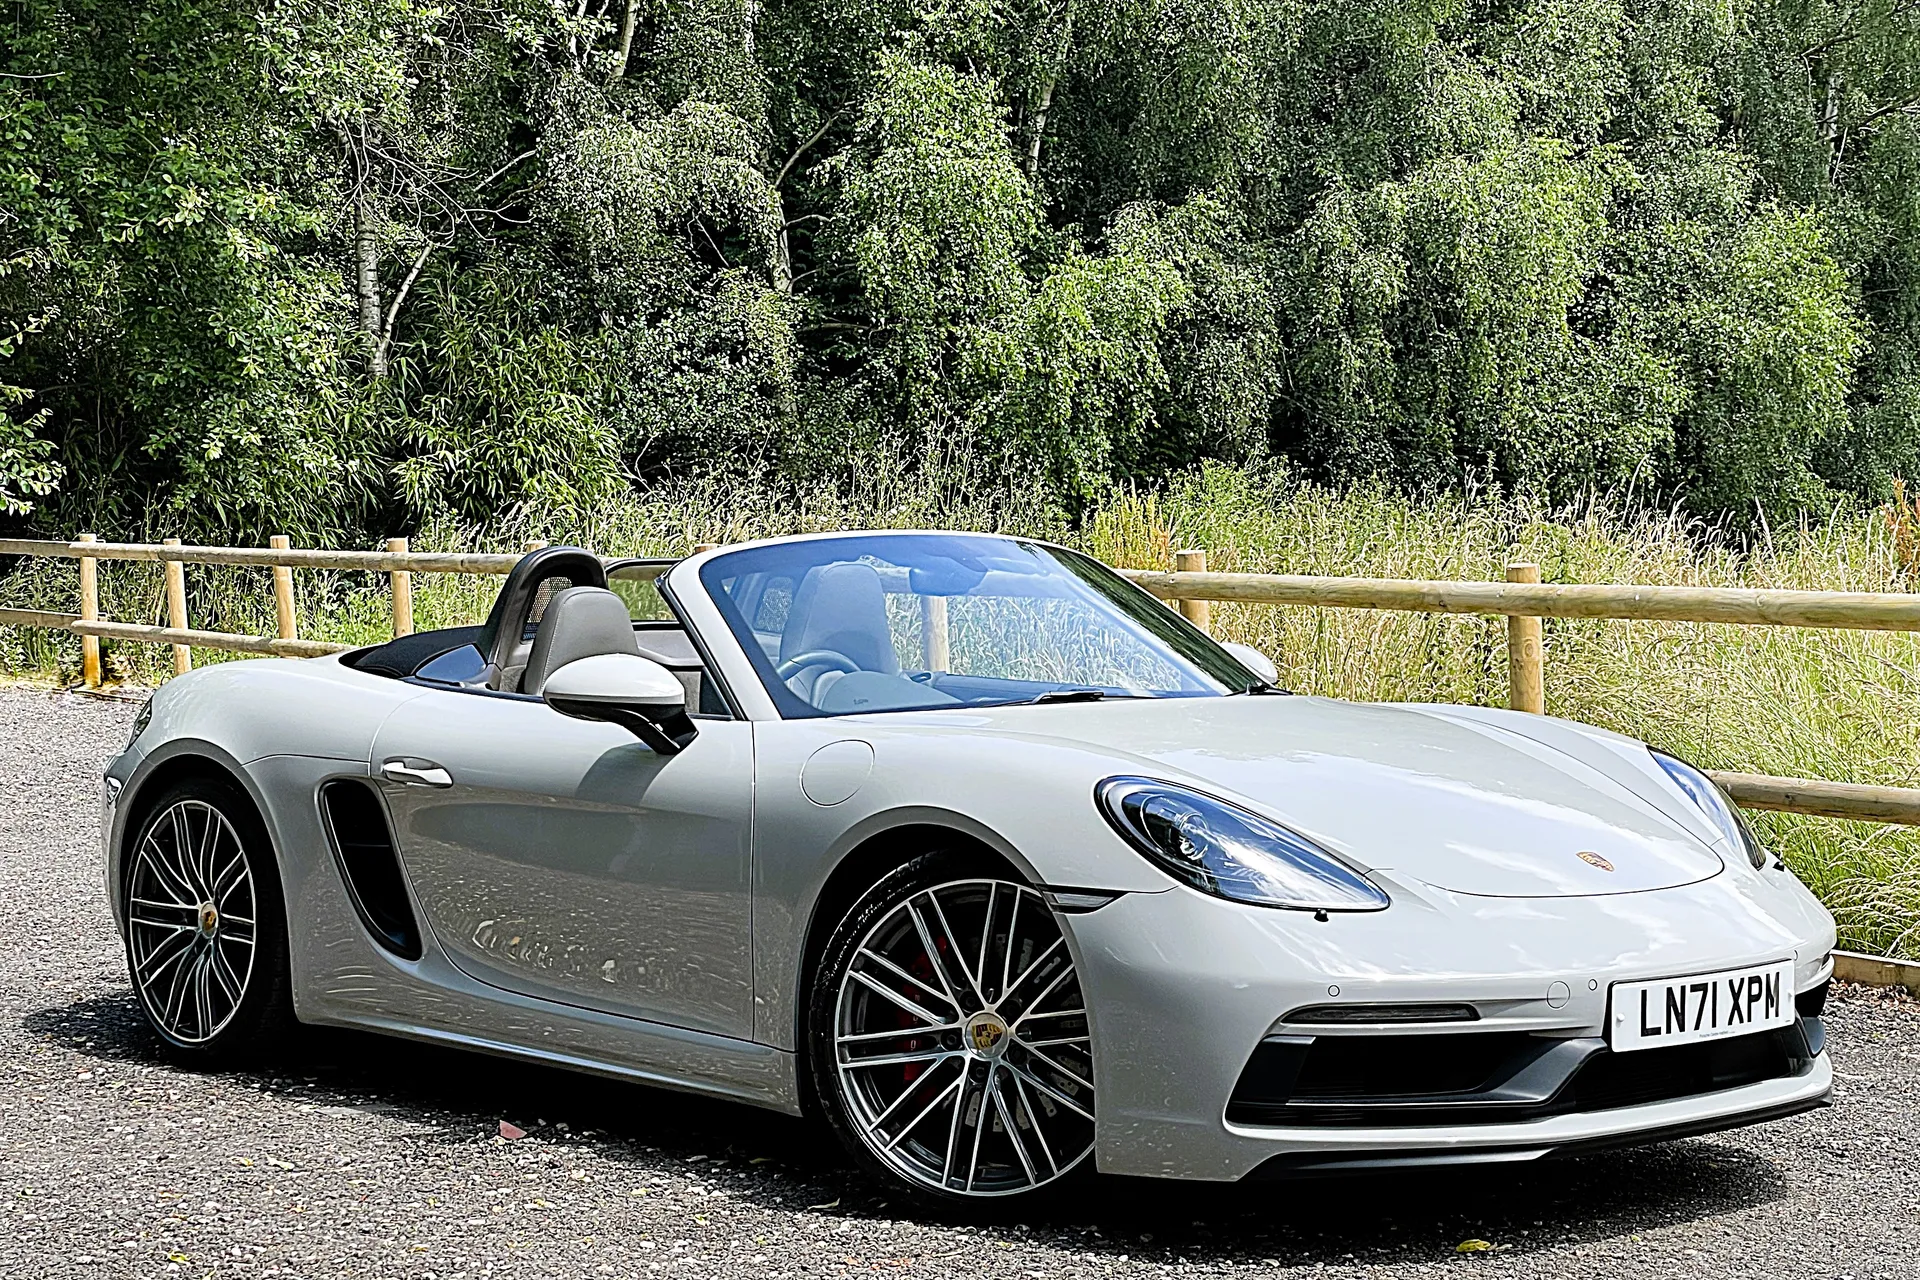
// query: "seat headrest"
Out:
[580,622]
[842,607]
[506,623]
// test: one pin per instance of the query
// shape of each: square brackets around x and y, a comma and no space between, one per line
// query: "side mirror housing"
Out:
[1254,660]
[636,693]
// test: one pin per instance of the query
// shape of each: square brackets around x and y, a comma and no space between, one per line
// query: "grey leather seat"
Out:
[580,622]
[841,608]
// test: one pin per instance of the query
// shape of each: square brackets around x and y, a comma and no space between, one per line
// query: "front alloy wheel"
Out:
[960,1057]
[205,945]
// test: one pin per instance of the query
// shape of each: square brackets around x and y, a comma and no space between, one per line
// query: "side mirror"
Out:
[636,693]
[1254,660]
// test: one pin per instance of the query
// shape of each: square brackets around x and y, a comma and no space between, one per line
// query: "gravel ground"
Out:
[369,1157]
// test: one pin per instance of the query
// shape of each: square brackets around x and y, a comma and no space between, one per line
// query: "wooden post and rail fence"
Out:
[1191,587]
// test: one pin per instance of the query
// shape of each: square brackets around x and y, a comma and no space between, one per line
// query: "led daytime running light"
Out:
[1704,792]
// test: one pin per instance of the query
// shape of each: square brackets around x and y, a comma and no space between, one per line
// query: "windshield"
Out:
[898,622]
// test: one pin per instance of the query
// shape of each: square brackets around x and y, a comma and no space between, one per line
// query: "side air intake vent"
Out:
[363,845]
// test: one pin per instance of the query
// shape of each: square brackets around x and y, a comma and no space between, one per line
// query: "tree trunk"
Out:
[782,247]
[626,39]
[1830,131]
[1039,129]
[1045,102]
[367,284]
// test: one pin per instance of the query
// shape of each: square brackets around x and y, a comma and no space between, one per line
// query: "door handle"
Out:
[427,774]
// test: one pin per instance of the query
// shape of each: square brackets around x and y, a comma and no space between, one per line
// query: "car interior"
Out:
[835,649]
[825,631]
[851,636]
[558,605]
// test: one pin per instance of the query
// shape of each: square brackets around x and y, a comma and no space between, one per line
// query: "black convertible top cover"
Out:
[401,657]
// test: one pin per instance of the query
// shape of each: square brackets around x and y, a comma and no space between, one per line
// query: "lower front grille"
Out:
[1610,1080]
[1493,1077]
[1341,1067]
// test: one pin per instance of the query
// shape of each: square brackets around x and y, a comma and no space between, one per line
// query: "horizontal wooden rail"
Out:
[284,648]
[36,618]
[1821,799]
[208,639]
[1849,610]
[397,562]
[267,557]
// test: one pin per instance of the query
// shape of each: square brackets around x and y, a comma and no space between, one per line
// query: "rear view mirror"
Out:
[1254,660]
[636,693]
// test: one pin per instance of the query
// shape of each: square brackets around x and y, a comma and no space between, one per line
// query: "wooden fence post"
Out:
[402,583]
[935,643]
[89,612]
[534,544]
[176,578]
[1198,612]
[1526,677]
[283,591]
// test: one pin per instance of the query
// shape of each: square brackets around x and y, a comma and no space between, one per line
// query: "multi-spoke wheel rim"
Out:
[961,1042]
[190,921]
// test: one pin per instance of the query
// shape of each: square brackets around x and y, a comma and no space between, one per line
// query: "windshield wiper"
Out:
[1069,695]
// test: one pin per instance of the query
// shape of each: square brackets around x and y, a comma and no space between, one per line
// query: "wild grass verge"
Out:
[1825,704]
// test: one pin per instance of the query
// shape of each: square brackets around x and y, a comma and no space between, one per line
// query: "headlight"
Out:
[140,722]
[1225,851]
[1714,803]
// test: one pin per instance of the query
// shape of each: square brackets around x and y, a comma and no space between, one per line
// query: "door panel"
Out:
[562,859]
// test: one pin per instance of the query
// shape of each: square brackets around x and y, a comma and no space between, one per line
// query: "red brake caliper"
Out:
[922,969]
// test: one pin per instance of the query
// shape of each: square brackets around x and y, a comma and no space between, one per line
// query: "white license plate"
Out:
[1705,1006]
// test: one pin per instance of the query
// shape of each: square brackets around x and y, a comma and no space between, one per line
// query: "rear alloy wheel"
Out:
[206,943]
[954,1053]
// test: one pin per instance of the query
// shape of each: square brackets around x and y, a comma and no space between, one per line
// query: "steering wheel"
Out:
[815,658]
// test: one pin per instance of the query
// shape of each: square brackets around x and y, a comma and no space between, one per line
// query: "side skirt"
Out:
[735,1071]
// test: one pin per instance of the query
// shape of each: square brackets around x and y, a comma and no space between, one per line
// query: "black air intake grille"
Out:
[1493,1077]
[1610,1080]
[363,845]
[1383,1066]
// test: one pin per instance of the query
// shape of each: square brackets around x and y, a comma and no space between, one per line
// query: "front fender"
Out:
[143,768]
[1029,800]
[235,715]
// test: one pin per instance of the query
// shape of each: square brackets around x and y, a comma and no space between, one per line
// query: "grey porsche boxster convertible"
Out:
[976,851]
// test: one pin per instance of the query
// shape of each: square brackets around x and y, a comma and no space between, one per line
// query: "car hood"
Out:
[1464,806]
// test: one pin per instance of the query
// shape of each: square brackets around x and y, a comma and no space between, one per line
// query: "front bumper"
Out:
[1181,988]
[1365,1151]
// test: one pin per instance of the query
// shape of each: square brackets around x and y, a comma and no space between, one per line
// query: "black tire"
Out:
[204,925]
[982,953]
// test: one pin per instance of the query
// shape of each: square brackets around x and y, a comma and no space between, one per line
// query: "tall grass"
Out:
[1842,705]
[1827,704]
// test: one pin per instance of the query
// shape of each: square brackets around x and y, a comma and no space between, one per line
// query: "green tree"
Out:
[336,270]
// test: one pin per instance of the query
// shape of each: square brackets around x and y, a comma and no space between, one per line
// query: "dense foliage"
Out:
[294,264]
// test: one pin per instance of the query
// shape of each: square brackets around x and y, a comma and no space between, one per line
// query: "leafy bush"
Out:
[340,271]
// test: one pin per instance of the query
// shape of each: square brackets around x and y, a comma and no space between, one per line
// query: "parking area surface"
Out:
[361,1156]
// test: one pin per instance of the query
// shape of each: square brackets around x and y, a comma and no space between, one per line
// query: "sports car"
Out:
[980,854]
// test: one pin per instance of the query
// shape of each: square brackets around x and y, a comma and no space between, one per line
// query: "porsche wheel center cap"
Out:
[987,1034]
[209,919]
